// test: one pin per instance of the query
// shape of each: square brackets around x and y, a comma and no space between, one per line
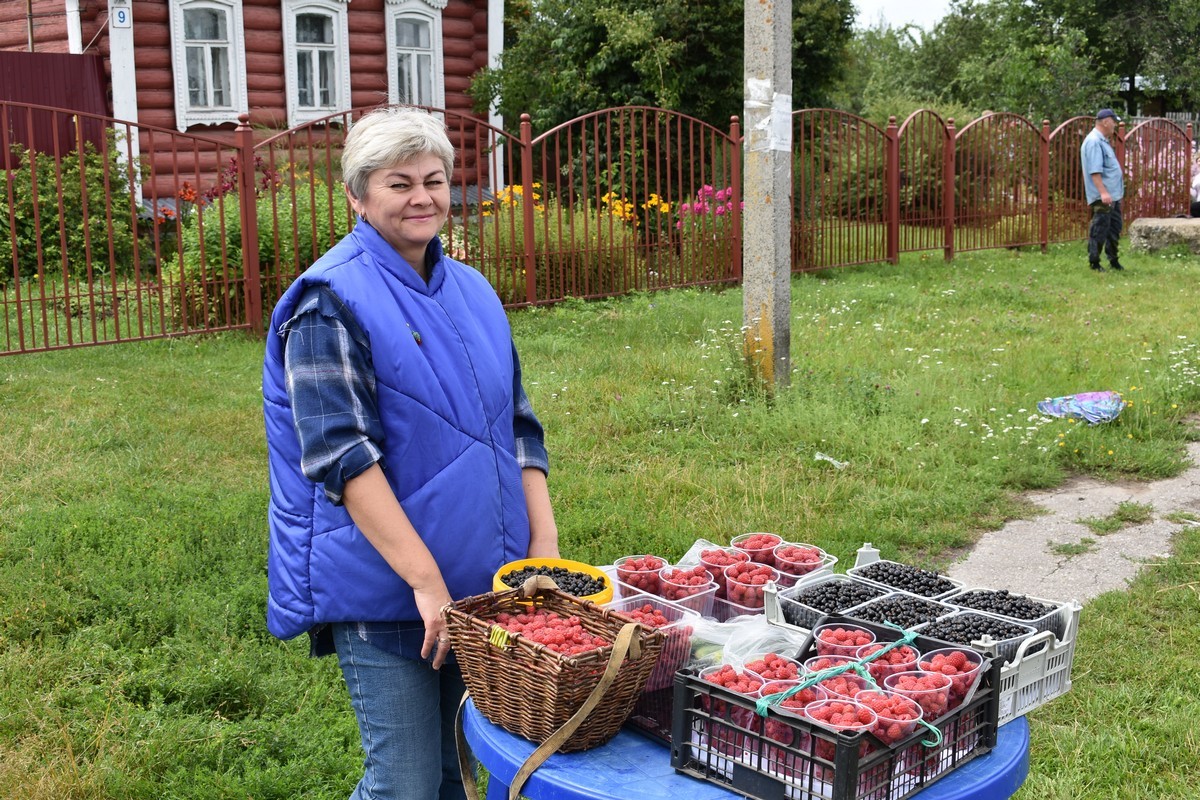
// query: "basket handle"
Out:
[536,583]
[625,643]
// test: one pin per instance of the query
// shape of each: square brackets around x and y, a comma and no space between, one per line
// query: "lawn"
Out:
[134,661]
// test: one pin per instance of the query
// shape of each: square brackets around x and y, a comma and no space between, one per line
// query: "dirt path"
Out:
[1022,556]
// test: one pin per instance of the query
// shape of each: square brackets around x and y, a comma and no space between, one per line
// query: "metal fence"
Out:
[154,233]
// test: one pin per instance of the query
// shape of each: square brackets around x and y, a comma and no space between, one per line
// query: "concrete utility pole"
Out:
[766,222]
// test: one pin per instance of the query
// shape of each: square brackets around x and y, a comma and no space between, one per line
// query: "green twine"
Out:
[859,666]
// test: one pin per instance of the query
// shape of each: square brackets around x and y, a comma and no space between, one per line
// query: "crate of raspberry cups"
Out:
[802,605]
[894,576]
[796,561]
[532,657]
[639,573]
[651,713]
[690,586]
[875,744]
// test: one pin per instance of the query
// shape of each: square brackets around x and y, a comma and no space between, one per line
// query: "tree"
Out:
[570,57]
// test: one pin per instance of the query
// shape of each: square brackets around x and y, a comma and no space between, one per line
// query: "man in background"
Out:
[1104,186]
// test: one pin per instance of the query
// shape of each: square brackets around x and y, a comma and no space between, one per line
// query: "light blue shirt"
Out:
[1097,155]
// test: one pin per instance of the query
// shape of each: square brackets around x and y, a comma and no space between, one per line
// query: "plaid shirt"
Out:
[331,384]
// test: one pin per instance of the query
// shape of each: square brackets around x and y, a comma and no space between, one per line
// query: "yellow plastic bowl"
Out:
[600,598]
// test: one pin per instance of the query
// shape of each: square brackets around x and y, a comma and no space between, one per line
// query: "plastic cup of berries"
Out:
[845,683]
[931,691]
[839,714]
[793,705]
[896,715]
[690,587]
[774,667]
[716,559]
[794,561]
[739,681]
[841,640]
[745,583]
[963,666]
[640,572]
[759,546]
[901,658]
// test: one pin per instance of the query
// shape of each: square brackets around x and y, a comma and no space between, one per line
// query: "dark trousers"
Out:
[1105,231]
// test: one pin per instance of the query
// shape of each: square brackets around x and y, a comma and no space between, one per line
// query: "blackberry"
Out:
[966,628]
[579,584]
[905,611]
[1000,601]
[837,595]
[913,580]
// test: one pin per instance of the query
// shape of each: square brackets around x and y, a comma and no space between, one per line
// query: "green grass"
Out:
[134,661]
[1127,513]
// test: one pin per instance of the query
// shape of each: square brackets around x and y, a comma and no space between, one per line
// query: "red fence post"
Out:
[527,244]
[948,172]
[248,208]
[734,151]
[1044,187]
[1188,163]
[892,179]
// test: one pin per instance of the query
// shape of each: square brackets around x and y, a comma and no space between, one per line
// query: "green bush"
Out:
[62,239]
[299,218]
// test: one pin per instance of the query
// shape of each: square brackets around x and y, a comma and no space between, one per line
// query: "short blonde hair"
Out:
[390,136]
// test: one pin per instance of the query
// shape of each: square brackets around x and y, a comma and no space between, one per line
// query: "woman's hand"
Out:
[429,605]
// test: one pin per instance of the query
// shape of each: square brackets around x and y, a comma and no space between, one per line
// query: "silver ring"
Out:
[443,641]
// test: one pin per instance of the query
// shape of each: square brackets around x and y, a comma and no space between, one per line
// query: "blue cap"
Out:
[1105,113]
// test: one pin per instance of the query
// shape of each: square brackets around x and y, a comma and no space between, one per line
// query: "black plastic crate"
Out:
[718,736]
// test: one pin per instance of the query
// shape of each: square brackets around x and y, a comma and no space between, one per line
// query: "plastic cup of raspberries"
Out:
[759,546]
[774,667]
[839,714]
[931,691]
[783,731]
[841,640]
[901,658]
[961,665]
[896,715]
[640,572]
[716,559]
[794,561]
[745,583]
[690,587]
[846,683]
[740,681]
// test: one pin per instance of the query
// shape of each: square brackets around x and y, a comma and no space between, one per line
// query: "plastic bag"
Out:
[1095,407]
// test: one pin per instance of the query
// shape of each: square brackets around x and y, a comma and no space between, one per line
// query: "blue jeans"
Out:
[405,712]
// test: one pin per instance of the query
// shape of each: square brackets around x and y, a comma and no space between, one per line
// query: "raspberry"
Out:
[759,546]
[744,582]
[680,582]
[640,572]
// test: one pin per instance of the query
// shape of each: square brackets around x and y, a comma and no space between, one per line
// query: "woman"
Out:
[406,463]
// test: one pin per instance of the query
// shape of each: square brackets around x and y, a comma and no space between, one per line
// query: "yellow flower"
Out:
[1062,444]
[1129,436]
[1110,452]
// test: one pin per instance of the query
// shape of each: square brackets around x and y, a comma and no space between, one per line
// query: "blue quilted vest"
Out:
[442,354]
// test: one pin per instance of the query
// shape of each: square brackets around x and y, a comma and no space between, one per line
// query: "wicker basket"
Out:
[532,691]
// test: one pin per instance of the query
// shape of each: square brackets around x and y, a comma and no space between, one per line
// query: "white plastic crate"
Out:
[1040,669]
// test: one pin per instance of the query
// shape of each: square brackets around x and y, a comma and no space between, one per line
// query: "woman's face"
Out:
[408,204]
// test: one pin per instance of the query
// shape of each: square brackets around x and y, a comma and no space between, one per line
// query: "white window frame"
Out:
[341,46]
[430,10]
[186,115]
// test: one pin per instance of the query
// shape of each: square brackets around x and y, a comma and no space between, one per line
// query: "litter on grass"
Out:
[1095,407]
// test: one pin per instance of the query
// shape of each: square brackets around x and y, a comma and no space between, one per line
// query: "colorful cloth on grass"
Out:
[1095,407]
